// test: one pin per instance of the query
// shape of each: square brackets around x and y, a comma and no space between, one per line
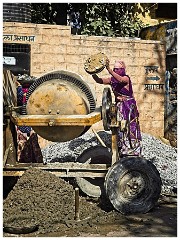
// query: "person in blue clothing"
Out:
[75,22]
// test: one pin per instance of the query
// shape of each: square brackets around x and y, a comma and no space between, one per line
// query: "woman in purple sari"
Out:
[122,88]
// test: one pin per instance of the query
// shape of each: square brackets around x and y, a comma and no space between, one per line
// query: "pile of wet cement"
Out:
[41,198]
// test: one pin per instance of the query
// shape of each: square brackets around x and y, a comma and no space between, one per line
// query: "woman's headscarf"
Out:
[121,71]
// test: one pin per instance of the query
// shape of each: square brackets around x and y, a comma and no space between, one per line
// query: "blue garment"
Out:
[75,20]
[23,129]
[19,96]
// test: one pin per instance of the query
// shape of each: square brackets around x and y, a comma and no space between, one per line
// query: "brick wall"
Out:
[54,48]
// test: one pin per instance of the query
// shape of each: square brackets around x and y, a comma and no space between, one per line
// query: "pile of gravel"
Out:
[69,151]
[163,156]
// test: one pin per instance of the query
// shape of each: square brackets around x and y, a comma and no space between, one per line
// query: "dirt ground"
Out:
[42,199]
[161,222]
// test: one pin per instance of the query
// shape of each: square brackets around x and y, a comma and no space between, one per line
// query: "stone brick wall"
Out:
[54,48]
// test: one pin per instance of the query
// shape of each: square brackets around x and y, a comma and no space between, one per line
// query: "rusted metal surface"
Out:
[56,120]
[60,169]
[59,93]
[57,97]
[58,128]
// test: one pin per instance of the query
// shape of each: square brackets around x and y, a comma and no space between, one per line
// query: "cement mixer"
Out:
[60,93]
[60,107]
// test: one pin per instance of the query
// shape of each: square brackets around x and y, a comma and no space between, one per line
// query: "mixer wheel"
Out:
[106,108]
[127,134]
[133,185]
[93,187]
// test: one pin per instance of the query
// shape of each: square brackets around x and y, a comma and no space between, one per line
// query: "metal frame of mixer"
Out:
[12,168]
[107,112]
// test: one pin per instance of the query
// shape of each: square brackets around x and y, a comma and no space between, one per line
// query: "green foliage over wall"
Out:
[112,19]
[98,19]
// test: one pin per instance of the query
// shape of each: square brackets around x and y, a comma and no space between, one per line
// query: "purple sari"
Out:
[124,108]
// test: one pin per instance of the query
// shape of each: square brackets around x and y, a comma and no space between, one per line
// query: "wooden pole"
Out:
[98,137]
[76,204]
[114,145]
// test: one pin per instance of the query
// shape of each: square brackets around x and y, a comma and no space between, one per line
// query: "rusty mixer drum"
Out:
[59,93]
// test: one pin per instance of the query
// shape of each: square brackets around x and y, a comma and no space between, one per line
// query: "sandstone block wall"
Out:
[54,48]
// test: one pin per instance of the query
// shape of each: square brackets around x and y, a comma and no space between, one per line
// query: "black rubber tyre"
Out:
[93,187]
[133,185]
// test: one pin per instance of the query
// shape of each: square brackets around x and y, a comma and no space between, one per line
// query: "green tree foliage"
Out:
[99,19]
[112,19]
[42,13]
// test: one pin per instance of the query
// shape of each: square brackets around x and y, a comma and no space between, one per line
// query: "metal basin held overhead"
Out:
[59,93]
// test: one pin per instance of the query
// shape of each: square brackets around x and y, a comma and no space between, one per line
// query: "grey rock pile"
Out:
[163,156]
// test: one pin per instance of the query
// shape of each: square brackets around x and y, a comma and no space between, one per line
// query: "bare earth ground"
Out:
[41,198]
[161,222]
